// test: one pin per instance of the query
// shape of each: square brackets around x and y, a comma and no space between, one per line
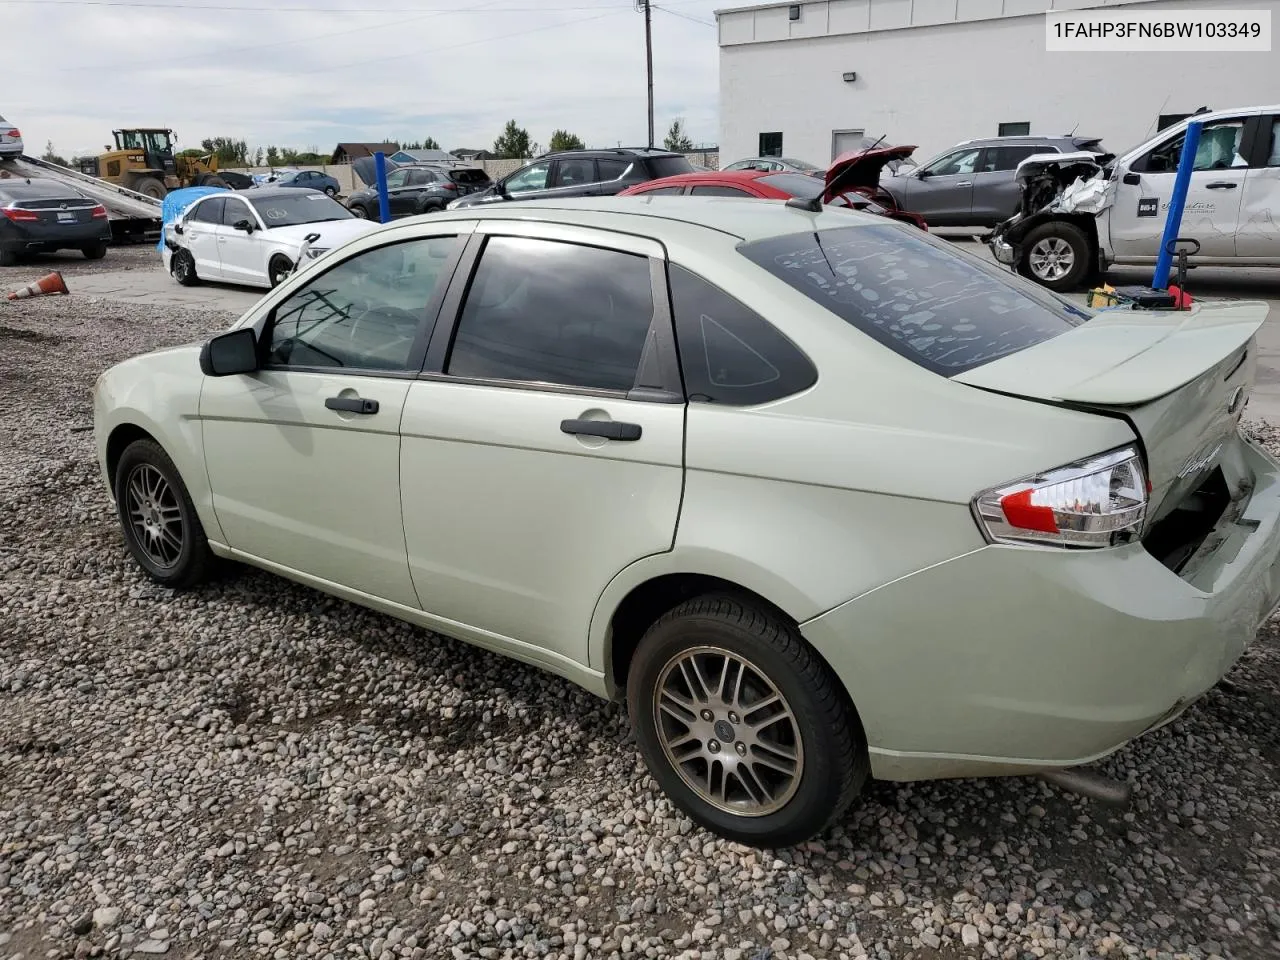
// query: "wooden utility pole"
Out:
[648,56]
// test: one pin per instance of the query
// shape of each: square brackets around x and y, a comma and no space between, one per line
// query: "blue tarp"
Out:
[177,201]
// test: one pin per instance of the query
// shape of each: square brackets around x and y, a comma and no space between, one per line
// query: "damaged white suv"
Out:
[1078,218]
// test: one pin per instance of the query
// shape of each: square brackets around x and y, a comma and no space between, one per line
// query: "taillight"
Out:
[15,133]
[18,215]
[1098,502]
[99,212]
[453,187]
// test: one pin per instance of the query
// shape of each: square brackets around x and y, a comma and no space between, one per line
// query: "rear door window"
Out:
[607,170]
[210,211]
[943,310]
[662,191]
[995,159]
[729,354]
[575,172]
[668,166]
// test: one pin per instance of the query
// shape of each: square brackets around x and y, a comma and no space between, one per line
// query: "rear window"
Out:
[668,166]
[468,176]
[941,309]
[797,184]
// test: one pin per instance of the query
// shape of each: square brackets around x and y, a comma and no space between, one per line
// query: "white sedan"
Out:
[256,240]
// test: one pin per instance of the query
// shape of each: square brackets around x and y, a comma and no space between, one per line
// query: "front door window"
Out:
[532,177]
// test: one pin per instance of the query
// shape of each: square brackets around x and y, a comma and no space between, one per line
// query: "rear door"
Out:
[1136,217]
[1259,235]
[612,175]
[995,192]
[200,234]
[574,177]
[542,449]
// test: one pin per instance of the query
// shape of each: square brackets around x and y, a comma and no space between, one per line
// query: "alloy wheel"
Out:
[155,516]
[728,731]
[1051,259]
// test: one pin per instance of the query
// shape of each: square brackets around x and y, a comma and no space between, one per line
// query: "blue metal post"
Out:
[1173,220]
[384,205]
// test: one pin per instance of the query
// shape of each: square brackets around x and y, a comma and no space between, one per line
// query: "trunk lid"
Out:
[861,168]
[1180,378]
[469,180]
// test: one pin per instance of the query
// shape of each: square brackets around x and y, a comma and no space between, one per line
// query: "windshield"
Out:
[946,311]
[157,141]
[289,211]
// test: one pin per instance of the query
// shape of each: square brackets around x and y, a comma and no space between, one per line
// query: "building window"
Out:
[793,12]
[1015,129]
[770,145]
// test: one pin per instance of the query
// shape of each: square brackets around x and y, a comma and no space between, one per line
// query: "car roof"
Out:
[662,217]
[612,152]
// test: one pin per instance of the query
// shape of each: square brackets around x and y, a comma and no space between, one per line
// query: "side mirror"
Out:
[245,225]
[923,174]
[177,228]
[230,353]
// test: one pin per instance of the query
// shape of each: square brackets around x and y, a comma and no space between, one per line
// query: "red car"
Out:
[851,181]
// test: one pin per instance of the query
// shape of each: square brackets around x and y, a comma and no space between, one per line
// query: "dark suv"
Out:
[581,173]
[419,188]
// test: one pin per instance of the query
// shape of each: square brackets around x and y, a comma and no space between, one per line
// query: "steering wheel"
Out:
[385,312]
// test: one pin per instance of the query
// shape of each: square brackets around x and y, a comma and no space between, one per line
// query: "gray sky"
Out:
[305,73]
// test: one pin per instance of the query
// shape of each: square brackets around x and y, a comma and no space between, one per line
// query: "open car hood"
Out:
[1070,165]
[366,169]
[861,168]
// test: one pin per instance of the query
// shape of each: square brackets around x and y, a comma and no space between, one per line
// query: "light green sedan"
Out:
[819,496]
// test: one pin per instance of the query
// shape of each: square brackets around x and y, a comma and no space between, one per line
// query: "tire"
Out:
[182,267]
[147,482]
[331,191]
[149,187]
[211,180]
[830,762]
[95,251]
[1056,255]
[8,258]
[278,270]
[359,211]
[430,207]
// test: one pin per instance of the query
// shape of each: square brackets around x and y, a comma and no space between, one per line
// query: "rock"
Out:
[969,935]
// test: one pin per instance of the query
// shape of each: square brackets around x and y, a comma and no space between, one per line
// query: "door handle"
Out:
[966,183]
[1220,185]
[352,405]
[609,429]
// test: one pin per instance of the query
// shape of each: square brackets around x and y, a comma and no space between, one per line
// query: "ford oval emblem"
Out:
[1236,401]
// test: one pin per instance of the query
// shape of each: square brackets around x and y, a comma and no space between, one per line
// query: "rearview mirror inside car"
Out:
[245,225]
[230,353]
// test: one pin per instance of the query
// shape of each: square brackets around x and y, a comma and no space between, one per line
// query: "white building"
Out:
[809,80]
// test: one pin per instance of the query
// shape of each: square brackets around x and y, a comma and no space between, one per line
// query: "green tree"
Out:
[564,140]
[50,155]
[230,152]
[430,144]
[677,139]
[257,157]
[273,157]
[513,144]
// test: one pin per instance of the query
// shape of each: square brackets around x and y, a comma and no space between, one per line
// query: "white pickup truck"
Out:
[1064,239]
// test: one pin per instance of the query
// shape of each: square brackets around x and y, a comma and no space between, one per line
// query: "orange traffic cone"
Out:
[53,283]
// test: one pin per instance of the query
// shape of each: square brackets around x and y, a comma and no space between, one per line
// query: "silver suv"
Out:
[972,183]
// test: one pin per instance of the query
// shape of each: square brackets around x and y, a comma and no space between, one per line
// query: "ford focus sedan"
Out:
[817,496]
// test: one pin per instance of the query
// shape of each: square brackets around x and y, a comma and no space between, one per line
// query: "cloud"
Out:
[305,73]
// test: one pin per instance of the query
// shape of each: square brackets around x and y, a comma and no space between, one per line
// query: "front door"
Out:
[535,465]
[942,191]
[303,456]
[242,253]
[200,232]
[1136,217]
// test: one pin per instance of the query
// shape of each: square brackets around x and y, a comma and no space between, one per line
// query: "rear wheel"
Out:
[331,191]
[8,258]
[94,251]
[182,267]
[742,724]
[159,521]
[278,270]
[149,187]
[211,180]
[359,211]
[1056,255]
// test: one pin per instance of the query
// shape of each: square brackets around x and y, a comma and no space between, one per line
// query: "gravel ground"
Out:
[71,263]
[255,770]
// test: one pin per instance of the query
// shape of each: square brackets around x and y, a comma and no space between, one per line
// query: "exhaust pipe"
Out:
[1087,783]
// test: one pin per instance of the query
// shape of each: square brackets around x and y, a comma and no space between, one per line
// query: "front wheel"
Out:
[159,521]
[1056,255]
[743,726]
[278,270]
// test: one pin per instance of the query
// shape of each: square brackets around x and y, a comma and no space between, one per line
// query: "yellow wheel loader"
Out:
[143,160]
